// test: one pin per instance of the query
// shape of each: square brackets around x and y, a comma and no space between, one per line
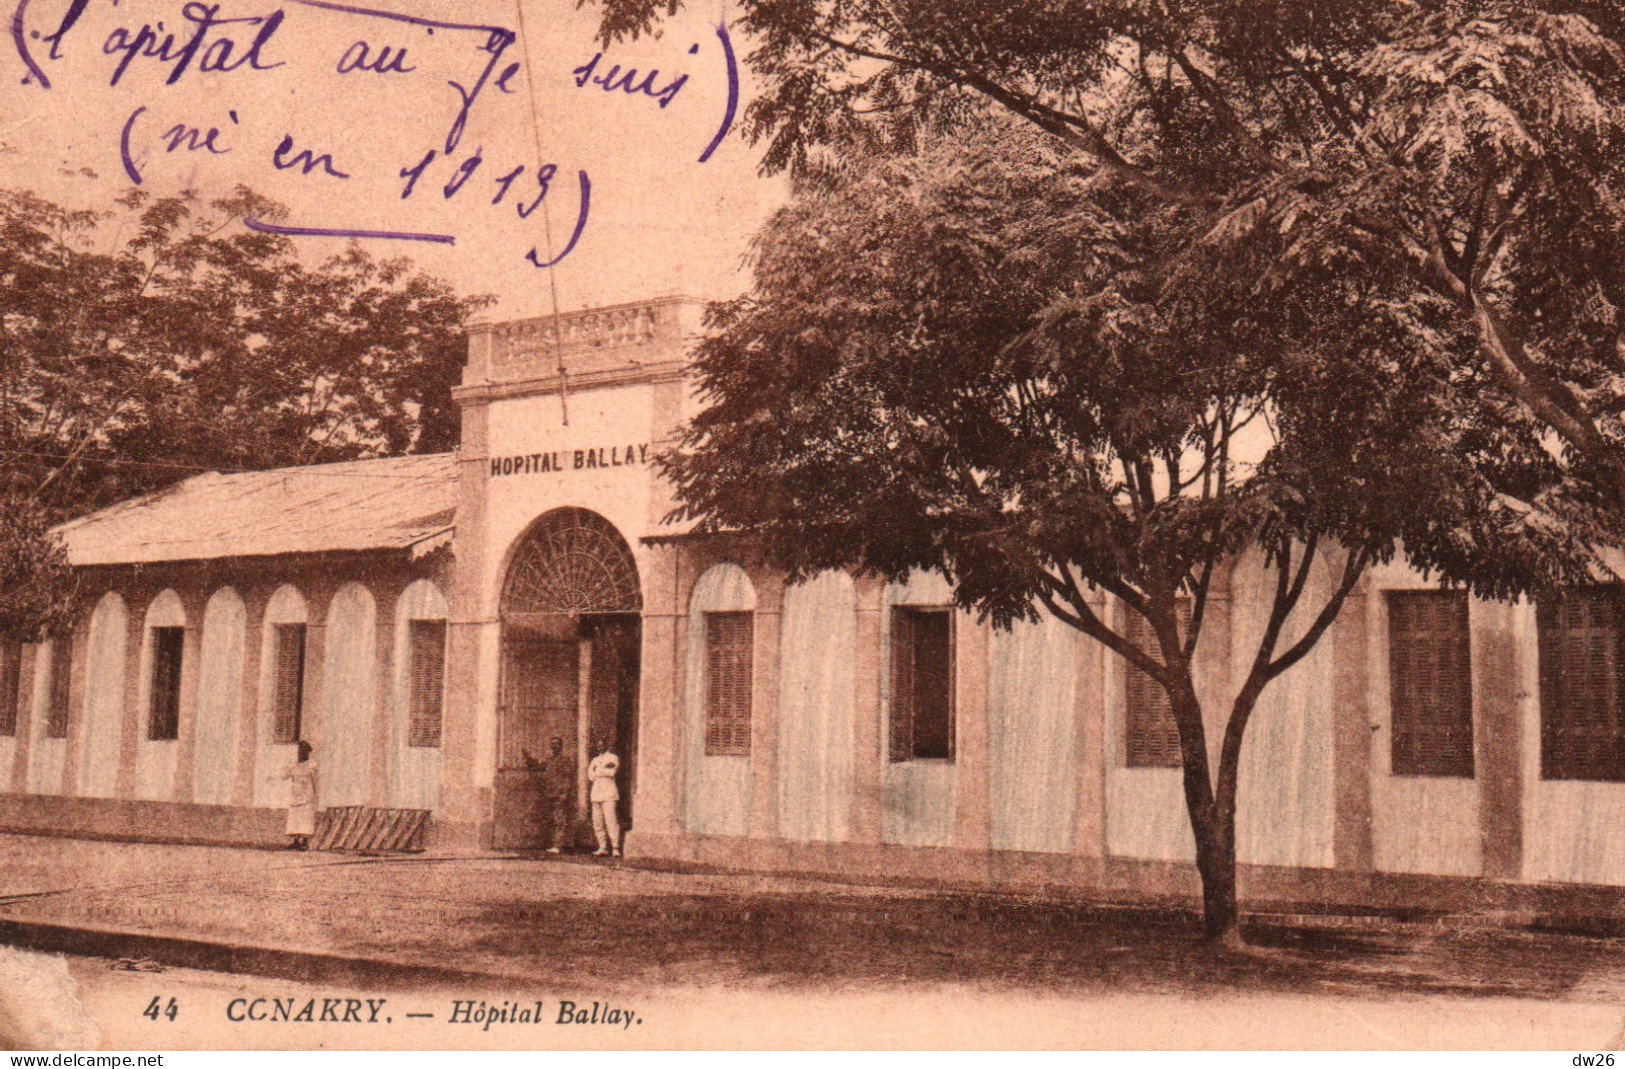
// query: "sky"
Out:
[117,96]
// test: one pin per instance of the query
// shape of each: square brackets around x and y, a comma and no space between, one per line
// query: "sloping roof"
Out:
[399,503]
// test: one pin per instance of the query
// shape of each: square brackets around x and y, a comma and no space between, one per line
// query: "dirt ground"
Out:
[719,959]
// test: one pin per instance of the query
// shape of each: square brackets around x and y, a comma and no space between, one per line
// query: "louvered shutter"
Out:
[1430,683]
[1580,716]
[168,645]
[56,716]
[11,677]
[428,682]
[289,683]
[1151,735]
[729,646]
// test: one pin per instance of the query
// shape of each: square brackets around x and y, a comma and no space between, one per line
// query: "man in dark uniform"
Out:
[555,779]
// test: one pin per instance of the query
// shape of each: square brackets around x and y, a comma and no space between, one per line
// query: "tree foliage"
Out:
[148,343]
[1468,150]
[161,338]
[944,363]
[1055,264]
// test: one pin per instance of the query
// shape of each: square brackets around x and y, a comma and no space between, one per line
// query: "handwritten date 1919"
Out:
[527,197]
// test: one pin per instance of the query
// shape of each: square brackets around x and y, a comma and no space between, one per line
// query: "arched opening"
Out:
[570,610]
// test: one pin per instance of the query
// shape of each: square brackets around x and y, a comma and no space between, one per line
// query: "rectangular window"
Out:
[1582,735]
[428,683]
[56,713]
[288,683]
[1430,683]
[11,679]
[922,707]
[167,646]
[1150,734]
[729,643]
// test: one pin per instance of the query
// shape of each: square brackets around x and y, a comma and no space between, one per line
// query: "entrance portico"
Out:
[562,420]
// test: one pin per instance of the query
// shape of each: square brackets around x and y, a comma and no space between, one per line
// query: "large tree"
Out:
[1401,216]
[945,364]
[160,338]
[1473,149]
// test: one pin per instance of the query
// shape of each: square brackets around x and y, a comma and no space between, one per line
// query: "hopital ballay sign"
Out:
[612,456]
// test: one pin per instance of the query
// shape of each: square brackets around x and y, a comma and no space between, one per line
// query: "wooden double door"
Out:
[571,679]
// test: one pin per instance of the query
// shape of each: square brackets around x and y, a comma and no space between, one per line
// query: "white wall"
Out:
[917,797]
[412,773]
[219,698]
[818,657]
[104,699]
[1032,735]
[1286,794]
[343,743]
[716,790]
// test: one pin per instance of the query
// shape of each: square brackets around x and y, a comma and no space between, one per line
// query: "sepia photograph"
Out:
[625,525]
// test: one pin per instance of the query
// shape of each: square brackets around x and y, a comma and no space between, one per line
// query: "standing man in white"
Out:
[604,796]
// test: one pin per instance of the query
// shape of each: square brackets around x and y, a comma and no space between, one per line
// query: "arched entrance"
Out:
[570,641]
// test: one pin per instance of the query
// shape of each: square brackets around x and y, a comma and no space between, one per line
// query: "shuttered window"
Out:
[11,679]
[1150,735]
[922,706]
[1430,683]
[428,682]
[729,642]
[1581,731]
[56,713]
[288,683]
[164,721]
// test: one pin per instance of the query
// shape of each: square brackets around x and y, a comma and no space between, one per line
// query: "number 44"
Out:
[157,1008]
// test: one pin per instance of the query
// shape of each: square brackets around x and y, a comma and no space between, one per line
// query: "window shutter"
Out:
[1430,683]
[56,718]
[11,677]
[729,647]
[1151,735]
[1581,733]
[168,645]
[289,683]
[428,682]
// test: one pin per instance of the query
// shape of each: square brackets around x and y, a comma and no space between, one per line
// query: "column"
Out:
[764,705]
[467,622]
[23,744]
[868,755]
[1498,736]
[659,700]
[138,601]
[78,669]
[386,739]
[1089,815]
[973,824]
[248,698]
[191,665]
[1352,724]
[318,599]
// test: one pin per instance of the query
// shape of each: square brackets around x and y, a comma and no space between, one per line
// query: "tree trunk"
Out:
[1216,863]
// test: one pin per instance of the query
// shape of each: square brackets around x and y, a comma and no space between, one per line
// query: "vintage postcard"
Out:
[643,524]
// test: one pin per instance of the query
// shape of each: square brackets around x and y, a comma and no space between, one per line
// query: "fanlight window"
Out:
[572,561]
